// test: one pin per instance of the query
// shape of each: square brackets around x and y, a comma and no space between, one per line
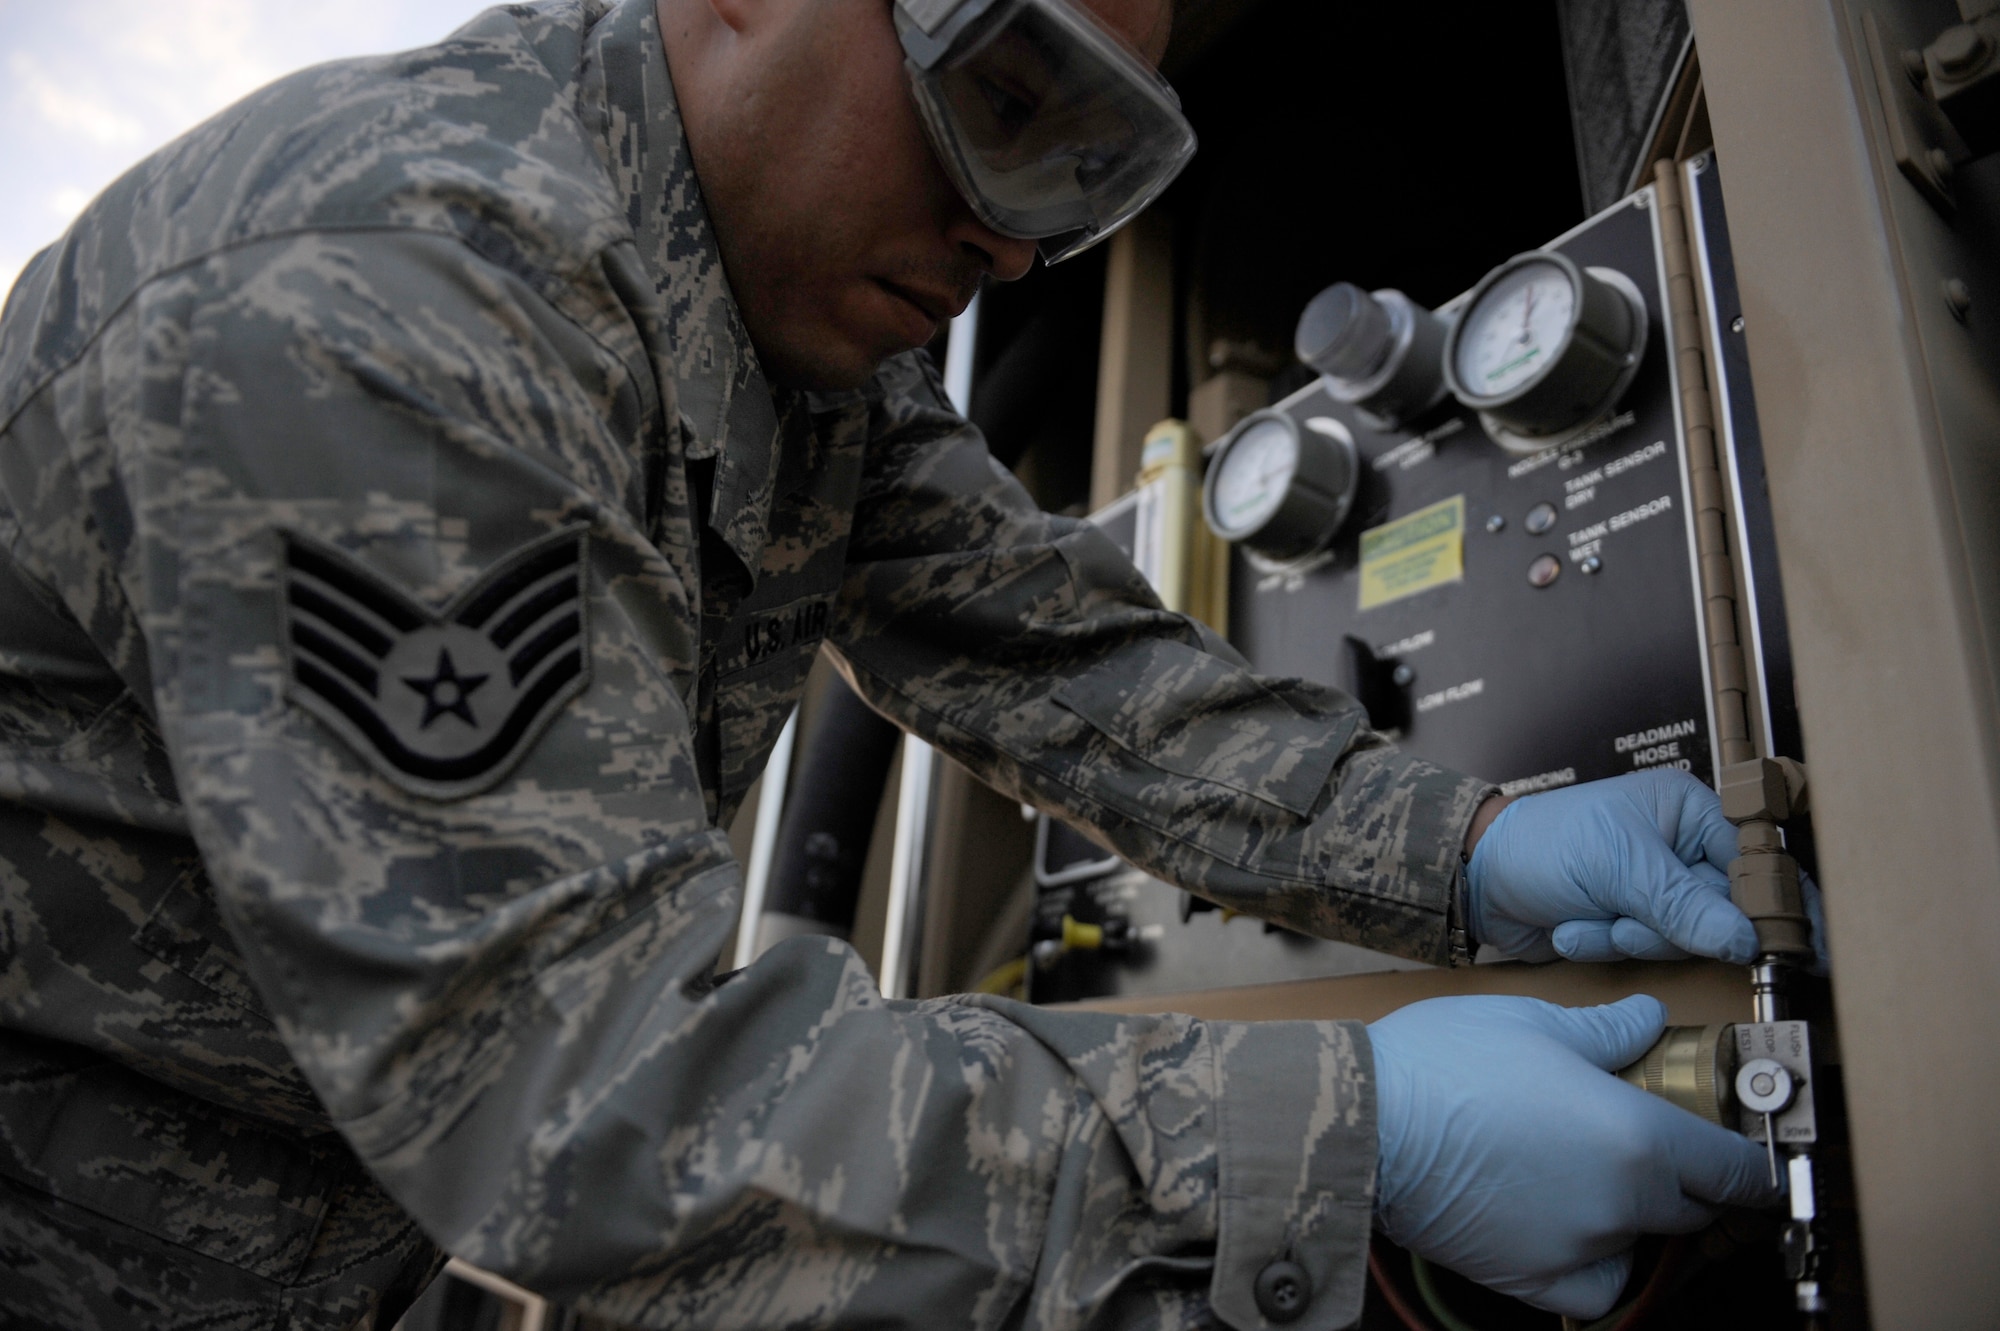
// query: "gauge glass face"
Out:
[1516,330]
[1254,475]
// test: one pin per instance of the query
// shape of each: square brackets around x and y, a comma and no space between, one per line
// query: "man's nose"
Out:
[1003,256]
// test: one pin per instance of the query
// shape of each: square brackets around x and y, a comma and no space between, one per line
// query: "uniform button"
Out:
[1283,1290]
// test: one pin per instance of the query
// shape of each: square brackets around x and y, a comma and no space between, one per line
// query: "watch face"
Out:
[1253,475]
[1516,330]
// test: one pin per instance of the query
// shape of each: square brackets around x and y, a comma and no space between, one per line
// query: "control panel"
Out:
[1479,522]
[1513,593]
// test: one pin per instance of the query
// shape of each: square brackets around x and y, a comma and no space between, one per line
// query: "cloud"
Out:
[68,113]
[80,110]
[66,201]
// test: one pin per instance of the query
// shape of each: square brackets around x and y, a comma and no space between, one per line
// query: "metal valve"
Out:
[1765,1086]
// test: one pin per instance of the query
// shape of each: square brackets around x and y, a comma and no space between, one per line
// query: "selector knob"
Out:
[1765,1086]
[1379,351]
[1345,333]
[1545,349]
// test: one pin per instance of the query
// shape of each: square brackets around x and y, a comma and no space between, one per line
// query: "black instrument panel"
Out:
[1531,619]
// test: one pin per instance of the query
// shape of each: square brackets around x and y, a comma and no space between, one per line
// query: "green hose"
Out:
[1611,1319]
[1451,1321]
[1427,1287]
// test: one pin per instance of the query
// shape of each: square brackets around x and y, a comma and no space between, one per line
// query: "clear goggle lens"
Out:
[1051,129]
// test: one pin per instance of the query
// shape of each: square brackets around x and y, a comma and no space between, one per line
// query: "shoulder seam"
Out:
[41,384]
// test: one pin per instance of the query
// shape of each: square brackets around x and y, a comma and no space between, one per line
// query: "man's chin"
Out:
[830,365]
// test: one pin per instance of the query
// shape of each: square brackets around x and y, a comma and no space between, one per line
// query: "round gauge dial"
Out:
[1544,349]
[1252,475]
[1516,330]
[1280,488]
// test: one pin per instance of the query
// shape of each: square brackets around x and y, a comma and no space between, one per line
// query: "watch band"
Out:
[1458,919]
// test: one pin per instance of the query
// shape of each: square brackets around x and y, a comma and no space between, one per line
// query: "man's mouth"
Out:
[936,308]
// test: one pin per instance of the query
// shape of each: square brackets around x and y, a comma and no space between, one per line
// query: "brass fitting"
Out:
[1765,789]
[1693,1067]
[1766,888]
[1764,881]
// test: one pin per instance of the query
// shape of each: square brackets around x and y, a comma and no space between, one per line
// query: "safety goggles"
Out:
[1051,127]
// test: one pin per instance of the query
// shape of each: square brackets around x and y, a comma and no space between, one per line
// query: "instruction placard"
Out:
[1414,553]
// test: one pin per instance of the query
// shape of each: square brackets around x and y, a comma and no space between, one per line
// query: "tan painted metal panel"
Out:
[1135,363]
[1874,420]
[1696,993]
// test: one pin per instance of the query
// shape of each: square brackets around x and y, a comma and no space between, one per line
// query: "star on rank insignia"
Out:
[442,702]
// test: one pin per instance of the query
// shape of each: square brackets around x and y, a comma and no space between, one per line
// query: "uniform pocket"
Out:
[123,1146]
[185,930]
[1196,716]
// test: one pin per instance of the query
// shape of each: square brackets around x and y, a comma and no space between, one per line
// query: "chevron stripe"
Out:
[516,583]
[345,624]
[527,710]
[563,629]
[356,589]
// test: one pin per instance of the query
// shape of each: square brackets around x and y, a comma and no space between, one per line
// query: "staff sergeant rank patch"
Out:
[442,702]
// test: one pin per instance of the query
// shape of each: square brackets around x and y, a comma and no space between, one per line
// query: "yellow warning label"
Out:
[1414,553]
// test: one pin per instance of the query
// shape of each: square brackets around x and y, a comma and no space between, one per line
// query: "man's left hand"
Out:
[1634,866]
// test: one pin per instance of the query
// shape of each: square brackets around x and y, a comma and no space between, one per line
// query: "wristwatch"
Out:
[1458,920]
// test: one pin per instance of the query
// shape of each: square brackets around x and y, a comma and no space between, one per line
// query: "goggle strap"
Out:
[928,14]
[929,29]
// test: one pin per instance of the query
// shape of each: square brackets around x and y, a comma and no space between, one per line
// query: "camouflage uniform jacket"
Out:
[404,569]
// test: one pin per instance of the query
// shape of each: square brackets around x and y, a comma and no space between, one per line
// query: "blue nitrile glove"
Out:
[1634,866]
[1511,1155]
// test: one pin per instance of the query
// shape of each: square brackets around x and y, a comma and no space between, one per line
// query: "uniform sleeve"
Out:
[1028,648]
[482,896]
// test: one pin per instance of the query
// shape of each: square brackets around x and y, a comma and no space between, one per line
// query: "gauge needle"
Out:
[1527,313]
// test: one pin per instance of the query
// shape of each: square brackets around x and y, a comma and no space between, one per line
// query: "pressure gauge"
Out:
[1544,349]
[1281,489]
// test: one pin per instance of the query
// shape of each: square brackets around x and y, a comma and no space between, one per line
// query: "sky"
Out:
[88,87]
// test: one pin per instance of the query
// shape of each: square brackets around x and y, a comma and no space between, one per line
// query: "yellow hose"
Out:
[1079,937]
[1076,937]
[1005,979]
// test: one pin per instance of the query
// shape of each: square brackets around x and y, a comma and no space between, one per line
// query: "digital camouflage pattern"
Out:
[276,1014]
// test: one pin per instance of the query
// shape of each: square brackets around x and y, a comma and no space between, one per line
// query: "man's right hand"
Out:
[1510,1155]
